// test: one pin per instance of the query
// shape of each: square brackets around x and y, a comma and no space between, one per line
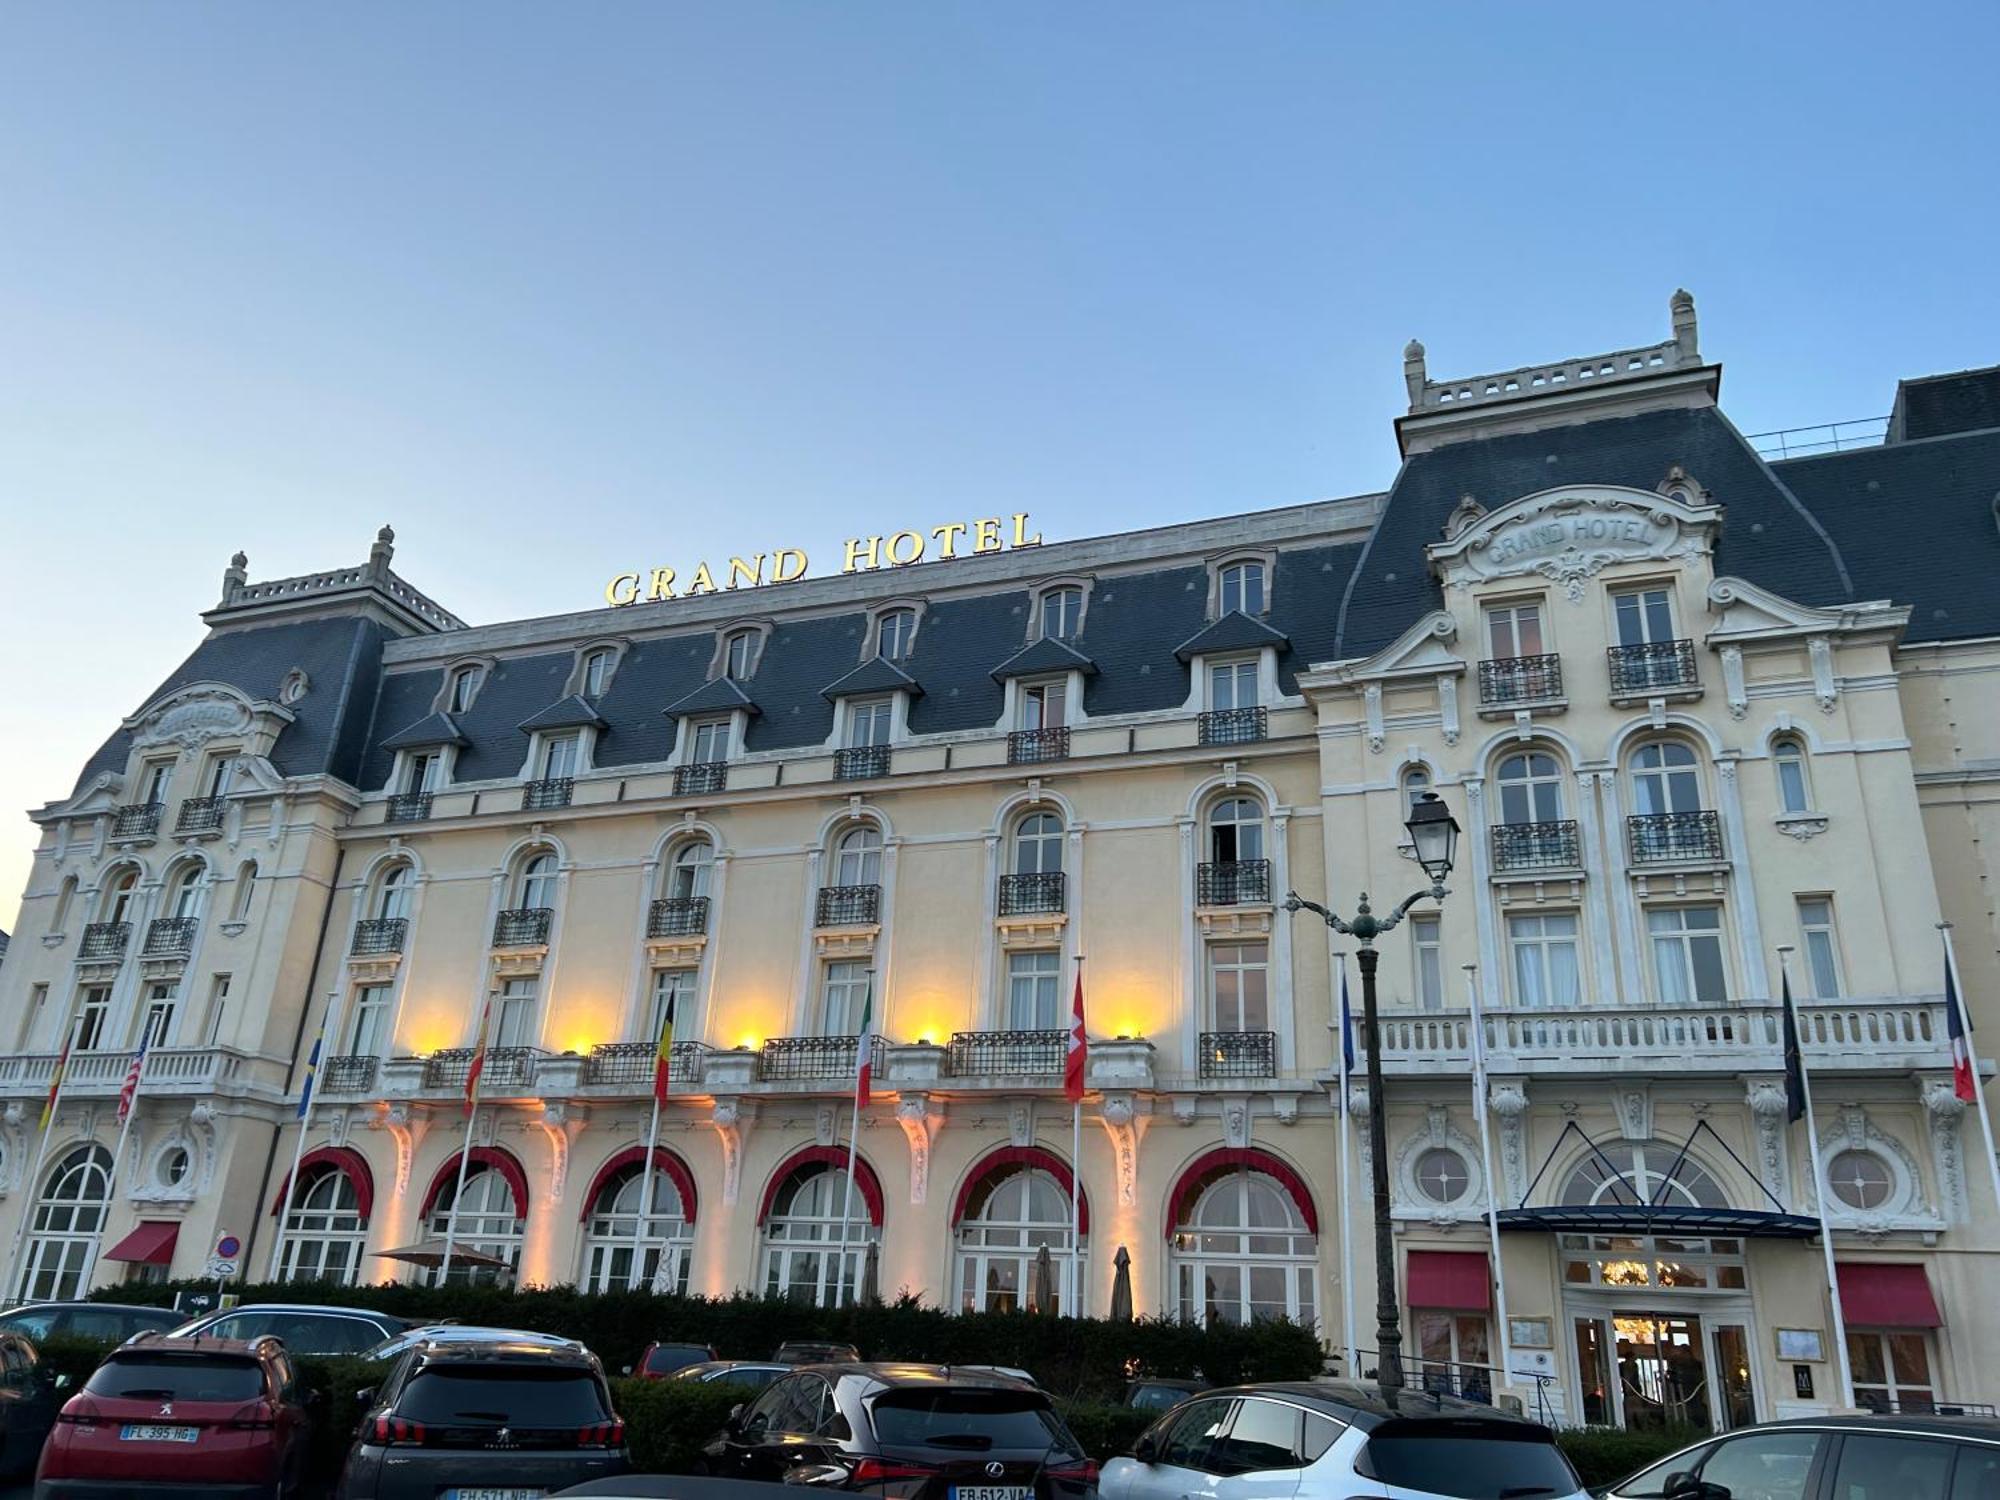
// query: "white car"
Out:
[1333,1440]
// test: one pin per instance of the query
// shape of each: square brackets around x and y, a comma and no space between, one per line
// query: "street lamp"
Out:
[1434,836]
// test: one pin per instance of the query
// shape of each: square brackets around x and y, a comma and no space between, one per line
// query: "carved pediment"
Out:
[192,716]
[1569,535]
[1422,651]
[1746,612]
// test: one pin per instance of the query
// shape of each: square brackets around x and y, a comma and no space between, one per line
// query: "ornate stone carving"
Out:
[406,1127]
[1124,1124]
[560,1122]
[1801,826]
[1766,1098]
[729,1118]
[1465,515]
[826,1124]
[1825,689]
[1184,1106]
[1236,1123]
[1635,1111]
[1732,682]
[1447,686]
[1946,1114]
[921,1118]
[1021,1122]
[1508,1099]
[1571,534]
[1285,1108]
[1371,700]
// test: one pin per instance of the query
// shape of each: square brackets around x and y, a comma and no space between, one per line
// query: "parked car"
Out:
[462,1333]
[810,1352]
[659,1360]
[105,1322]
[491,1419]
[27,1404]
[1915,1457]
[1010,1372]
[1332,1438]
[906,1432]
[305,1328]
[1152,1394]
[744,1372]
[676,1487]
[220,1416]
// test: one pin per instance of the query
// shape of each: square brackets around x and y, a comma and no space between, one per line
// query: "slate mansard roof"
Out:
[1912,521]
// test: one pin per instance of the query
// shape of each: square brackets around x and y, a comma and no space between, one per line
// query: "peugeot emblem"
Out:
[166,1408]
[995,1469]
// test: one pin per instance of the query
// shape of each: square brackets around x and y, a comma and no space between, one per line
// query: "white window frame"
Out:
[1198,1249]
[907,642]
[1537,787]
[1036,696]
[1508,618]
[1241,967]
[803,1251]
[1034,989]
[1675,945]
[1819,946]
[988,1242]
[1527,933]
[707,736]
[623,1246]
[156,1020]
[462,682]
[517,1011]
[1643,614]
[858,863]
[746,644]
[870,722]
[324,1232]
[683,982]
[1260,835]
[1069,621]
[1228,577]
[843,989]
[1663,789]
[1427,961]
[490,1221]
[597,667]
[367,1026]
[1788,751]
[1232,672]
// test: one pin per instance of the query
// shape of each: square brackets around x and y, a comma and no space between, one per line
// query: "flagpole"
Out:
[646,1201]
[1076,1183]
[853,1141]
[1486,1171]
[1340,1047]
[33,1185]
[465,1151]
[1819,1192]
[307,1100]
[1978,1084]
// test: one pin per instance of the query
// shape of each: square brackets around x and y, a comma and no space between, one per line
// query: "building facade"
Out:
[1691,704]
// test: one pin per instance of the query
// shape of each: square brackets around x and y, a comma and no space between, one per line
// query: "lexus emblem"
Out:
[995,1469]
[166,1408]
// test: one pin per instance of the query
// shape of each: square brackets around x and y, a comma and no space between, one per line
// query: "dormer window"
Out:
[1043,704]
[1061,613]
[426,771]
[464,688]
[1232,684]
[709,743]
[895,634]
[868,722]
[559,757]
[739,655]
[597,673]
[1241,587]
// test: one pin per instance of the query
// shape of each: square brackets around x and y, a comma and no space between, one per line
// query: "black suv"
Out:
[905,1432]
[485,1417]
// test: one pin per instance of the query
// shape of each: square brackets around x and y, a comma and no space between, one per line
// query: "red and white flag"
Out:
[129,1089]
[478,1064]
[1079,1048]
[864,1049]
[1961,1043]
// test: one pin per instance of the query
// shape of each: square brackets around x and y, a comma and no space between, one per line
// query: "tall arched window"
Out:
[69,1220]
[895,633]
[1009,1217]
[804,1256]
[392,893]
[464,687]
[489,1221]
[1664,779]
[689,871]
[1788,759]
[597,672]
[1241,587]
[1664,1179]
[1038,845]
[244,892]
[324,1232]
[65,898]
[535,889]
[1416,781]
[1530,788]
[739,655]
[618,1255]
[1061,613]
[1242,1250]
[1236,830]
[119,895]
[184,891]
[858,856]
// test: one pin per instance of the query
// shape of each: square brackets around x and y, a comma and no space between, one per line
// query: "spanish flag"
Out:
[478,1064]
[663,1056]
[56,1082]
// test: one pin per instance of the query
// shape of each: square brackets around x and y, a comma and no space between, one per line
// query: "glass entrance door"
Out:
[1647,1370]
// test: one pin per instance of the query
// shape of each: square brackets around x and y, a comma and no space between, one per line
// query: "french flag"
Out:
[1961,1046]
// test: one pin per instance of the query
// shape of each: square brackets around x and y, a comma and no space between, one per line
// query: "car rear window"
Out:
[667,1358]
[1445,1458]
[187,1377]
[971,1420]
[509,1395]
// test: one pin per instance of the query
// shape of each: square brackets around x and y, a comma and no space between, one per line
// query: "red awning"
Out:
[1452,1280]
[151,1244]
[1886,1296]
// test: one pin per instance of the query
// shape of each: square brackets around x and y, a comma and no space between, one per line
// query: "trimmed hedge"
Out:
[1603,1455]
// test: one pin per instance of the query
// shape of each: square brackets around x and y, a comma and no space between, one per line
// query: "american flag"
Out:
[129,1089]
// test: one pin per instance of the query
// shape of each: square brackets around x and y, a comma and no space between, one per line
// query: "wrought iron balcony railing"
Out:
[505,1067]
[137,820]
[1008,1054]
[1520,679]
[1022,895]
[199,815]
[1537,846]
[804,1057]
[1655,837]
[1653,667]
[375,935]
[349,1075]
[702,779]
[1233,882]
[1239,1054]
[1234,726]
[848,906]
[612,1064]
[861,763]
[550,791]
[677,916]
[1026,747]
[523,927]
[169,937]
[103,940]
[409,807]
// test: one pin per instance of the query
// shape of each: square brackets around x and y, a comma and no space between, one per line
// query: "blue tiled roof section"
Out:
[1917,525]
[1043,656]
[431,729]
[875,675]
[720,696]
[1767,535]
[1235,631]
[573,712]
[1946,405]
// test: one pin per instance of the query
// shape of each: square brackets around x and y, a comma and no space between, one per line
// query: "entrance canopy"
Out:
[1688,1220]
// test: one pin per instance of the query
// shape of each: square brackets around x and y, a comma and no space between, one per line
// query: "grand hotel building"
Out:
[1691,703]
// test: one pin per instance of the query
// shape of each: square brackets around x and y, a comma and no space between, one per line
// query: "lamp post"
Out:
[1434,834]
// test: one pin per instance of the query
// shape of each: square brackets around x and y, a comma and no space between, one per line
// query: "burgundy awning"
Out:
[151,1244]
[1450,1280]
[1886,1296]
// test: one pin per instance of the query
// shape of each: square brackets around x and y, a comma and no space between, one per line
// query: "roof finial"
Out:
[382,551]
[235,575]
[1682,305]
[1414,373]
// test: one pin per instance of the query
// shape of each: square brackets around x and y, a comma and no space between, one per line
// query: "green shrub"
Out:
[75,1358]
[1605,1454]
[668,1421]
[1106,1432]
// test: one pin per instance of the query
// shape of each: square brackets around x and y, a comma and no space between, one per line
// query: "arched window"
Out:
[858,856]
[324,1230]
[119,894]
[184,892]
[1038,845]
[895,633]
[536,887]
[1530,788]
[1009,1217]
[1664,1180]
[1665,780]
[1242,1250]
[597,672]
[739,654]
[1416,781]
[392,893]
[1061,613]
[65,898]
[1236,830]
[1788,758]
[489,1221]
[804,1256]
[69,1220]
[1240,586]
[618,1255]
[689,871]
[464,687]
[245,890]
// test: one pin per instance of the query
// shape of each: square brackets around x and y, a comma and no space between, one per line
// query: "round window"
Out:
[173,1166]
[1860,1179]
[1442,1176]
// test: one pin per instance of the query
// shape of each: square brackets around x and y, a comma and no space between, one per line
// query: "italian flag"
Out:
[864,1048]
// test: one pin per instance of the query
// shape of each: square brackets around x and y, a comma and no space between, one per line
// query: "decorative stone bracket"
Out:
[1125,1122]
[731,1118]
[921,1117]
[406,1126]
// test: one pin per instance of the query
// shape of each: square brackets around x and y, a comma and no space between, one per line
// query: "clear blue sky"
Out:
[562,289]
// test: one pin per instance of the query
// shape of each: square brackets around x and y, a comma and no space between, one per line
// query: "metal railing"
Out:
[702,779]
[379,935]
[1008,1054]
[848,906]
[409,807]
[861,762]
[1026,747]
[625,1063]
[349,1075]
[1233,726]
[1921,1406]
[1233,882]
[1651,667]
[1537,846]
[1021,895]
[802,1057]
[523,927]
[1520,679]
[1822,437]
[199,815]
[137,820]
[104,940]
[504,1067]
[1239,1054]
[170,937]
[1655,837]
[550,791]
[677,916]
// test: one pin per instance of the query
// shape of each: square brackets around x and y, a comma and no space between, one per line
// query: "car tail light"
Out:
[1084,1473]
[78,1409]
[602,1434]
[396,1430]
[877,1471]
[258,1416]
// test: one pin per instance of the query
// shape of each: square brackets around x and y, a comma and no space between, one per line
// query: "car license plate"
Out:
[153,1432]
[487,1492]
[992,1492]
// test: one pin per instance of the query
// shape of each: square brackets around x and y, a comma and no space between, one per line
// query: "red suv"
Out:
[222,1416]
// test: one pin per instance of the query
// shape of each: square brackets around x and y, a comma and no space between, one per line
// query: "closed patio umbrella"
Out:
[1042,1288]
[1121,1287]
[871,1276]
